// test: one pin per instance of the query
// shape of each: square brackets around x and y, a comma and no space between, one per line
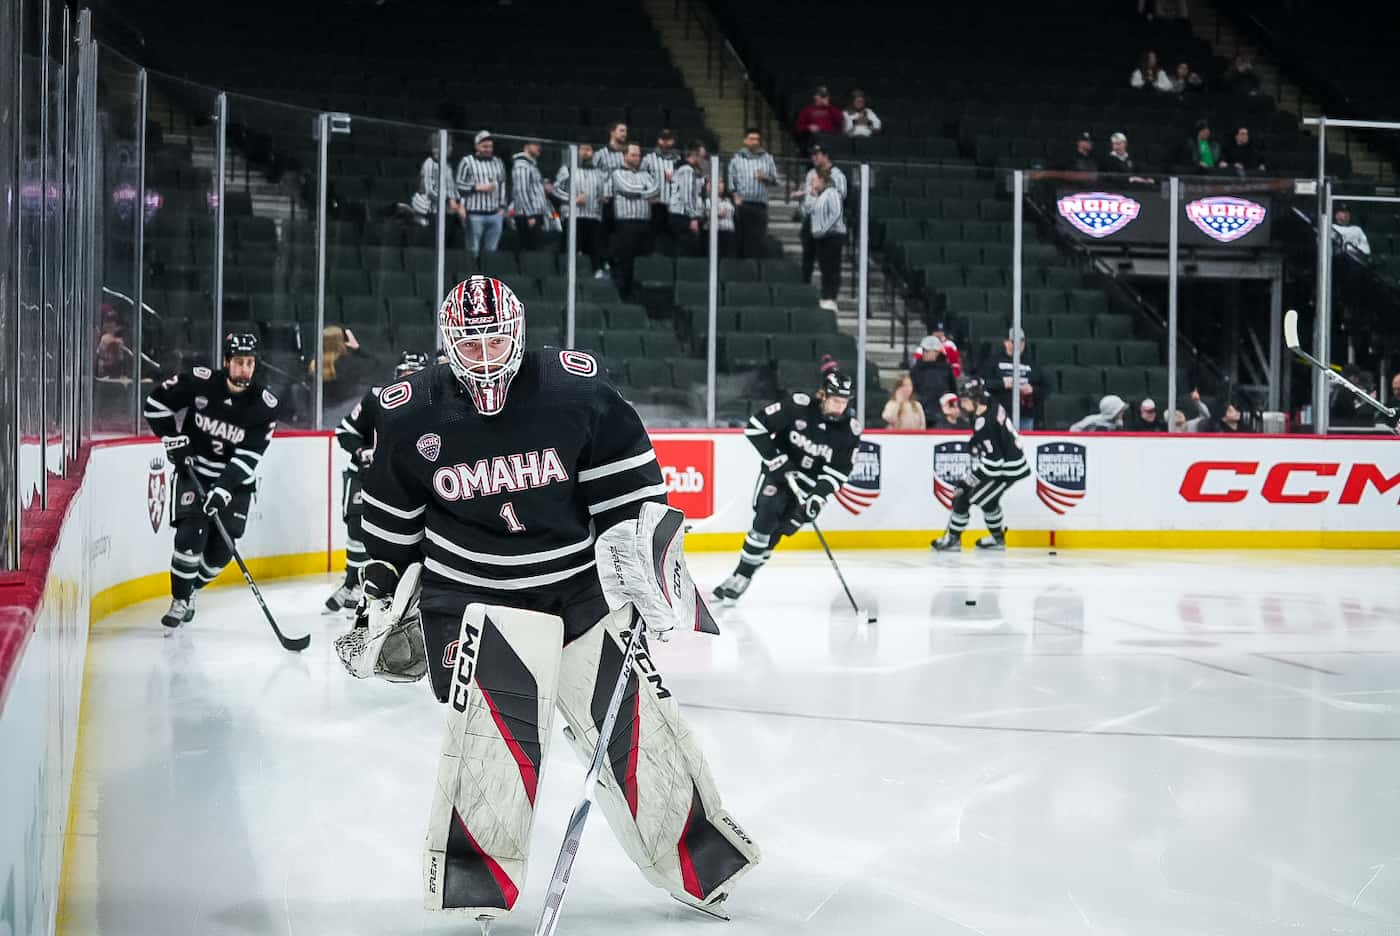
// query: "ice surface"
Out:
[1134,743]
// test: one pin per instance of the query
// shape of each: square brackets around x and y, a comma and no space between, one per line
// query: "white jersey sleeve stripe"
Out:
[398,539]
[639,494]
[623,464]
[390,509]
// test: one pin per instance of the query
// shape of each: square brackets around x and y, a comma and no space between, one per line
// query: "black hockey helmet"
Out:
[973,388]
[410,362]
[237,343]
[835,383]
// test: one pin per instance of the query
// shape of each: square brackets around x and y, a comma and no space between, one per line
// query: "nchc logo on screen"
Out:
[1225,218]
[1099,214]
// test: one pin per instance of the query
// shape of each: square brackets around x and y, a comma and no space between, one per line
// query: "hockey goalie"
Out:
[515,519]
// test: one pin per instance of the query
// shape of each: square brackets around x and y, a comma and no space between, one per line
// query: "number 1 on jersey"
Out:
[512,521]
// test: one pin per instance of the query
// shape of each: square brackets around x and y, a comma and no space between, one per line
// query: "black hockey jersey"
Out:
[819,449]
[229,432]
[995,447]
[357,430]
[511,501]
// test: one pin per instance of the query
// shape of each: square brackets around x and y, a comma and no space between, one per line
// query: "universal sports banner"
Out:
[1141,214]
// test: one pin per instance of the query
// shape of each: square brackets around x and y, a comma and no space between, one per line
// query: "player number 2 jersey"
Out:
[510,501]
[229,432]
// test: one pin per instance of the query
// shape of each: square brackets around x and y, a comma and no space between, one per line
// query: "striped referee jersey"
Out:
[527,187]
[742,176]
[632,191]
[473,171]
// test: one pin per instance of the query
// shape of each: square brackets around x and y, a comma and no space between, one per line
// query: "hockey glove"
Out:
[364,457]
[812,507]
[216,500]
[641,562]
[387,639]
[177,450]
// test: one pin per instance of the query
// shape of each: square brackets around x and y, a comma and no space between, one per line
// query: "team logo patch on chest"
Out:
[200,402]
[499,474]
[430,445]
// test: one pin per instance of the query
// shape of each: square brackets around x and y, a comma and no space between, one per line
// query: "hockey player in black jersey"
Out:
[228,422]
[356,434]
[811,441]
[997,463]
[514,507]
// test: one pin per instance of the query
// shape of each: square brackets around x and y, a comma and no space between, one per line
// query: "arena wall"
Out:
[1105,491]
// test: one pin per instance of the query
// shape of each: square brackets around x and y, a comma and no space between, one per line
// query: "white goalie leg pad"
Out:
[391,645]
[500,710]
[655,789]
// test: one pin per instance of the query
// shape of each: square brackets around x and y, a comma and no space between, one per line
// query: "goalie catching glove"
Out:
[387,639]
[642,562]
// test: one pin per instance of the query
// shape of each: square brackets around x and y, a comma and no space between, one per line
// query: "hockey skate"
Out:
[343,599]
[948,542]
[713,907]
[731,588]
[995,542]
[181,612]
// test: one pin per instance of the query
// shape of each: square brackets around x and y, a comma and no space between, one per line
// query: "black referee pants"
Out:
[828,251]
[687,243]
[631,239]
[752,222]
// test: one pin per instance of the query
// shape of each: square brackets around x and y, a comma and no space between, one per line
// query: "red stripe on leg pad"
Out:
[688,875]
[632,754]
[528,777]
[508,888]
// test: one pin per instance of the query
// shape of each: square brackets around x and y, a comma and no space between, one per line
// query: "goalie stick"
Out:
[573,837]
[1290,338]
[294,644]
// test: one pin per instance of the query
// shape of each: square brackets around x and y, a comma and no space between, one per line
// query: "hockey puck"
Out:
[1053,553]
[971,602]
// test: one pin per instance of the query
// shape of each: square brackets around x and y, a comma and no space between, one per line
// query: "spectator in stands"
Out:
[1202,153]
[113,361]
[1394,390]
[632,191]
[950,414]
[819,117]
[901,410]
[345,372]
[821,161]
[424,203]
[1149,76]
[1162,9]
[588,196]
[661,165]
[932,374]
[1119,160]
[1351,238]
[1240,77]
[858,119]
[606,160]
[1229,420]
[825,212]
[1144,418]
[1181,424]
[1109,418]
[728,221]
[529,196]
[950,348]
[481,180]
[1186,81]
[751,172]
[1242,155]
[999,378]
[686,208]
[1083,158]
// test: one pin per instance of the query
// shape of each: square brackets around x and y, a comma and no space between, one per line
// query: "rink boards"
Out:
[1086,490]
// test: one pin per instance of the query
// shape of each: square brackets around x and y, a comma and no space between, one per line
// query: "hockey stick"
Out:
[573,837]
[294,644]
[866,615]
[1290,338]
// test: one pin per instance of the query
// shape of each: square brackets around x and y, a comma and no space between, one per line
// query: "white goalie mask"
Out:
[482,323]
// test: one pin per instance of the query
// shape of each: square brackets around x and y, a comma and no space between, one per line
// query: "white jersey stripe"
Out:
[638,494]
[533,558]
[514,584]
[611,468]
[391,510]
[398,539]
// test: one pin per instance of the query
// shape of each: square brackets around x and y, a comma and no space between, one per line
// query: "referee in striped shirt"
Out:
[528,192]
[821,159]
[587,194]
[481,181]
[661,164]
[607,158]
[751,171]
[825,210]
[632,190]
[686,206]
